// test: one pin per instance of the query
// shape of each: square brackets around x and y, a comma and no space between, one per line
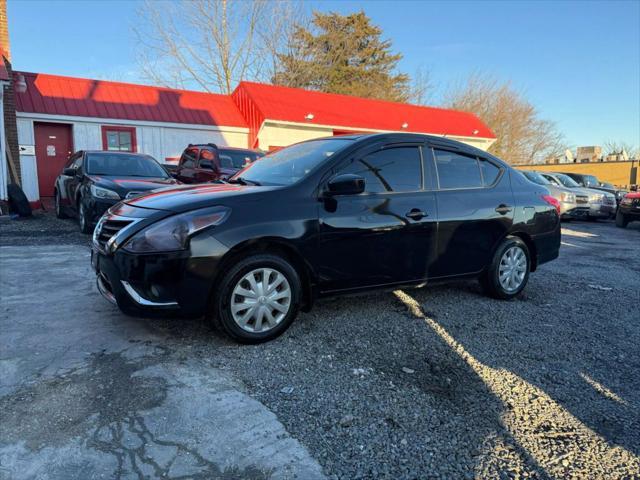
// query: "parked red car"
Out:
[628,210]
[208,162]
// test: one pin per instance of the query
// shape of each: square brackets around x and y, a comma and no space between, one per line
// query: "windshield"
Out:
[535,177]
[591,181]
[123,165]
[291,164]
[567,181]
[236,158]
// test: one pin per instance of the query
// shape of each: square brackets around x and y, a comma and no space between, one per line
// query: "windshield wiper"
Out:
[243,181]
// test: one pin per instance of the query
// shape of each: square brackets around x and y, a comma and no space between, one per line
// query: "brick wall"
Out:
[11,128]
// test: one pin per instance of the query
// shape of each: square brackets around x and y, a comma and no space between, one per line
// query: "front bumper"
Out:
[599,210]
[96,207]
[164,281]
[632,212]
[153,281]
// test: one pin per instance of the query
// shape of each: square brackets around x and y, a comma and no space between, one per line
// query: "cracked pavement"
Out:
[90,393]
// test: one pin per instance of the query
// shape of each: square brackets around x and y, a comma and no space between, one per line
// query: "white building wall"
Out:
[281,135]
[277,134]
[28,168]
[154,138]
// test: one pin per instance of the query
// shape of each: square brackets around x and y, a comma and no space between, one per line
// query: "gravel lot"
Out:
[439,382]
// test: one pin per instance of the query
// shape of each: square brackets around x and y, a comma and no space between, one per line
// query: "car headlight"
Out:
[105,193]
[173,233]
[568,197]
[596,198]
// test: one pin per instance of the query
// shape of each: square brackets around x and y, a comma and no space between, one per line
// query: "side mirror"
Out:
[346,184]
[69,172]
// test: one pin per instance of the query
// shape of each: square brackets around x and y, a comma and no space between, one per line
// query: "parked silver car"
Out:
[569,206]
[601,204]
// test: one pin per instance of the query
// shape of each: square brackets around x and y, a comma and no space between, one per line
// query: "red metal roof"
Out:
[57,95]
[294,104]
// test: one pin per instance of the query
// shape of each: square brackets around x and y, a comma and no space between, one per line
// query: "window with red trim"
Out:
[119,139]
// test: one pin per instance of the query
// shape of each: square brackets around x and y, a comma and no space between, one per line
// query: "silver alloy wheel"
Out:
[260,300]
[513,268]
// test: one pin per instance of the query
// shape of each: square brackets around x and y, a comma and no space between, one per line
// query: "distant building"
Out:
[588,154]
[566,157]
[621,156]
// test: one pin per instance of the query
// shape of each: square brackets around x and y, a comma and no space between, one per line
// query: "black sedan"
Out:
[324,217]
[93,181]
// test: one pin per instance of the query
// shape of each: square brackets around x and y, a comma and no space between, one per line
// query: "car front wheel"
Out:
[508,273]
[621,220]
[83,221]
[59,211]
[257,299]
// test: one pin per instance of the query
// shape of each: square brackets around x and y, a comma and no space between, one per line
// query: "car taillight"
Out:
[552,201]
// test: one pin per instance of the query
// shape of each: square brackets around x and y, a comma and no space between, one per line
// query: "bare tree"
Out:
[522,136]
[211,44]
[422,88]
[614,146]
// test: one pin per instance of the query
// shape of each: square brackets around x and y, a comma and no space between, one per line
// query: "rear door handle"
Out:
[416,214]
[503,209]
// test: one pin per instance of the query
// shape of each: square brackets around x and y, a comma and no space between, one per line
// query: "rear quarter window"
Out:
[490,172]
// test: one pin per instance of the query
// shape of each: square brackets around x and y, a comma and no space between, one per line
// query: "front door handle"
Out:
[415,214]
[503,209]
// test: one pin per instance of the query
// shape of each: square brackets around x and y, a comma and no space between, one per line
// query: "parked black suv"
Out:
[325,217]
[93,181]
[208,162]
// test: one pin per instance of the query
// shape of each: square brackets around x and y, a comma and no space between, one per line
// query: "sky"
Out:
[578,62]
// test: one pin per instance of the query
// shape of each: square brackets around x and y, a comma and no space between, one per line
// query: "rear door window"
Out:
[457,171]
[397,169]
[188,159]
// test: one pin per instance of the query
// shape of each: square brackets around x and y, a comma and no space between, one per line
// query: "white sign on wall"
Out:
[27,149]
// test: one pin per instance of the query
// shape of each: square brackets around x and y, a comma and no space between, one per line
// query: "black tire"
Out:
[59,210]
[621,220]
[220,307]
[490,280]
[83,221]
[18,202]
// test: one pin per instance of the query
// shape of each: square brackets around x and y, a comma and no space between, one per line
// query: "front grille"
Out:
[582,199]
[108,229]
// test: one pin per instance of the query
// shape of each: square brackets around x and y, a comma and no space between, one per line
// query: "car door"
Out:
[186,171]
[475,210]
[65,181]
[75,181]
[207,169]
[385,235]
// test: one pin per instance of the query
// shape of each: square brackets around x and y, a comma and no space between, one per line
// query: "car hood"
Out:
[124,185]
[190,197]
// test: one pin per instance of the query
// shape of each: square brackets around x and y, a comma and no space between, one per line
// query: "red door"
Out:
[53,147]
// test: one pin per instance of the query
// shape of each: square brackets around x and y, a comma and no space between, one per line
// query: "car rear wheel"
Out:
[83,221]
[621,220]
[508,272]
[257,299]
[59,211]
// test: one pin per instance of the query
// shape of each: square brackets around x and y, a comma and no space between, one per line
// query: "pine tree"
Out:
[343,54]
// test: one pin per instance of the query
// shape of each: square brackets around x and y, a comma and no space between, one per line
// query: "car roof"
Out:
[115,152]
[223,147]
